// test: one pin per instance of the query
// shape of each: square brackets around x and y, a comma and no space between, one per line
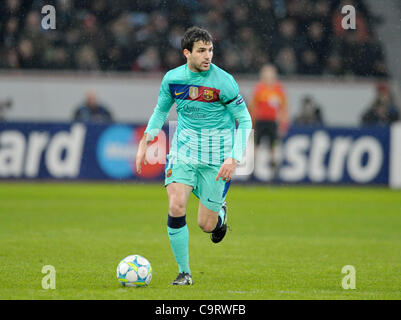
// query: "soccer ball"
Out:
[134,271]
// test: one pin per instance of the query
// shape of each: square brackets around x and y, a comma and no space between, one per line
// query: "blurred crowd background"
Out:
[302,37]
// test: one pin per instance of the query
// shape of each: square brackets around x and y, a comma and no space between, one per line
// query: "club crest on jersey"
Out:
[193,92]
[208,94]
[168,173]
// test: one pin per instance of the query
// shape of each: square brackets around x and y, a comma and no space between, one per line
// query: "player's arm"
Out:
[142,148]
[237,107]
[156,121]
[240,112]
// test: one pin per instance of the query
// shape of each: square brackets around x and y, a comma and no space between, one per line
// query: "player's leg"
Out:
[178,194]
[273,142]
[207,219]
[180,181]
[213,222]
[212,211]
[267,130]
[261,134]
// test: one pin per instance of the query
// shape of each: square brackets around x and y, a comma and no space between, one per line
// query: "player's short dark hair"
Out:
[193,35]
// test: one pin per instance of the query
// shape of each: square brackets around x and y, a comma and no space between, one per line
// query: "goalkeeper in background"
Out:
[206,146]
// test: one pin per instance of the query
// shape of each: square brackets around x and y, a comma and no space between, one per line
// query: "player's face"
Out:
[201,56]
[269,75]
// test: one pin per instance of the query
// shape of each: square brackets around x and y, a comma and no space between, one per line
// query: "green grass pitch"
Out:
[285,242]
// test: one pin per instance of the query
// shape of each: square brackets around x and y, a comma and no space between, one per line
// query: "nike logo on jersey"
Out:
[208,199]
[178,93]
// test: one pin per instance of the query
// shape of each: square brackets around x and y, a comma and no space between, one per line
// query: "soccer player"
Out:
[206,146]
[269,109]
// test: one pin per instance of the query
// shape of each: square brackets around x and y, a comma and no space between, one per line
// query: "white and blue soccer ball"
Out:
[134,271]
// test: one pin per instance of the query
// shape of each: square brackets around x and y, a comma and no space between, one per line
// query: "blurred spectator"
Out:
[86,58]
[11,59]
[172,59]
[322,12]
[310,113]
[11,8]
[27,57]
[238,17]
[58,59]
[334,65]
[148,60]
[10,38]
[92,111]
[215,23]
[286,61]
[383,111]
[232,61]
[309,63]
[5,105]
[175,36]
[316,41]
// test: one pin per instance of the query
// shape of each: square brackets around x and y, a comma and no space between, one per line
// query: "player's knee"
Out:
[176,208]
[207,225]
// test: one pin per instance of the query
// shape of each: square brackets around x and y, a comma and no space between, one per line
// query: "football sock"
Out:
[178,234]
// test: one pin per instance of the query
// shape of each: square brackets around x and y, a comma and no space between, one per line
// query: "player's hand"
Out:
[227,169]
[141,154]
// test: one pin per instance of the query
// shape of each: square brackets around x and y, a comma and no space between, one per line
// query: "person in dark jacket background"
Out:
[92,111]
[383,110]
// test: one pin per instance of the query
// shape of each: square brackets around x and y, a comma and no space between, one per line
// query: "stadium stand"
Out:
[301,37]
